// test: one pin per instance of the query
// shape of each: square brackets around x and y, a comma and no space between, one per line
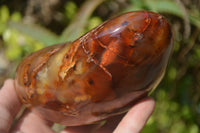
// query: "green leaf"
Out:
[36,32]
[164,6]
[77,25]
[195,20]
[4,14]
[13,52]
[93,22]
[171,7]
[194,129]
[70,10]
[16,17]
[172,73]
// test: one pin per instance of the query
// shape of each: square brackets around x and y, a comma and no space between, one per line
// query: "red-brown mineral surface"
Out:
[101,74]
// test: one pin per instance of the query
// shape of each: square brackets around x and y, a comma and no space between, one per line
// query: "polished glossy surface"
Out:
[101,74]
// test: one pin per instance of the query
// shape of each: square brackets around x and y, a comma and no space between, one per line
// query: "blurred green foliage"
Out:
[177,97]
[70,10]
[16,45]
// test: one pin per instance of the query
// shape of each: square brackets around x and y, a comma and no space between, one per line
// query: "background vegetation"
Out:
[29,25]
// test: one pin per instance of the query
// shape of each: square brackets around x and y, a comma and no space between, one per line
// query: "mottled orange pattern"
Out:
[101,74]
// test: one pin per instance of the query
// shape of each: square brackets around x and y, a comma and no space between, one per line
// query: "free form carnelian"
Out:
[101,74]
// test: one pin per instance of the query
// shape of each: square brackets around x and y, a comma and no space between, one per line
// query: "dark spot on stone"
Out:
[27,83]
[91,82]
[66,56]
[132,46]
[124,23]
[74,67]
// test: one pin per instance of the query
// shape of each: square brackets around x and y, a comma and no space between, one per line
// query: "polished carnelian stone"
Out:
[101,74]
